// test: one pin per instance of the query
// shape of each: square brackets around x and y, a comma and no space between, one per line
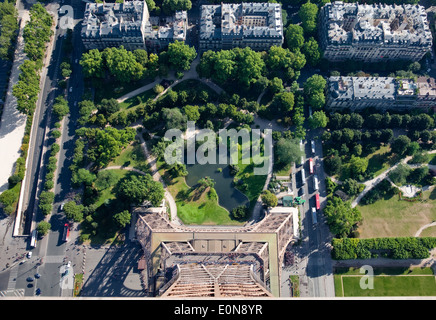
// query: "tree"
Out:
[333,165]
[136,189]
[43,228]
[158,89]
[358,165]
[287,151]
[269,199]
[318,120]
[294,37]
[180,55]
[314,91]
[122,64]
[341,217]
[60,107]
[276,85]
[8,28]
[311,51]
[122,218]
[249,65]
[205,183]
[400,174]
[92,64]
[170,6]
[282,102]
[74,211]
[173,118]
[192,112]
[107,144]
[350,187]
[105,179]
[308,14]
[400,144]
[240,212]
[108,106]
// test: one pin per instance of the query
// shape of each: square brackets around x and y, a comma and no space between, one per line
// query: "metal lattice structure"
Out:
[215,262]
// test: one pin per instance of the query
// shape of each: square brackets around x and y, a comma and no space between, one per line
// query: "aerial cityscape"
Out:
[176,149]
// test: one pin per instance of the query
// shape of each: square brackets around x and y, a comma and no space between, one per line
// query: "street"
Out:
[312,262]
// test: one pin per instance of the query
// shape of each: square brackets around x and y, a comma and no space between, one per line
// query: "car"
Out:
[30,279]
[29,255]
[312,144]
[77,60]
[69,264]
[37,276]
[71,89]
[38,291]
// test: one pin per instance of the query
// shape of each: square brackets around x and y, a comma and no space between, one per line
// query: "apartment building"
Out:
[373,33]
[382,93]
[226,26]
[129,24]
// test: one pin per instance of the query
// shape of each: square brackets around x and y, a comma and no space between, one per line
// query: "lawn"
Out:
[395,218]
[387,282]
[378,162]
[112,89]
[198,86]
[132,156]
[135,101]
[255,183]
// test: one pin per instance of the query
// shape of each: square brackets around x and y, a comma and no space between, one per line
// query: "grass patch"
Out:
[132,156]
[112,89]
[196,85]
[78,283]
[387,282]
[394,218]
[254,183]
[137,100]
[283,171]
[295,286]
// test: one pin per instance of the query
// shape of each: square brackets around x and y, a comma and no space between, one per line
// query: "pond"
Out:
[229,197]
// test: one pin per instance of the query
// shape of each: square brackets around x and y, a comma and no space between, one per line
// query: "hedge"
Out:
[395,248]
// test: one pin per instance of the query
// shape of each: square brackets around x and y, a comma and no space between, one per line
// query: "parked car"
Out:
[29,255]
[38,291]
[37,276]
[30,279]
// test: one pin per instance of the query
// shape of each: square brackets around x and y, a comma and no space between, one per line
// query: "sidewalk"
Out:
[13,122]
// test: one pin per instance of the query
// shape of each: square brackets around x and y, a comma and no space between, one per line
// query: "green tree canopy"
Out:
[287,151]
[308,14]
[294,37]
[136,189]
[341,217]
[122,218]
[180,55]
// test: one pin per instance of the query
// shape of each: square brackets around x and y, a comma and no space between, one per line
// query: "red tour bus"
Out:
[310,165]
[317,201]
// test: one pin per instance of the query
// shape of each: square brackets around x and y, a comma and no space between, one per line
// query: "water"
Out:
[229,197]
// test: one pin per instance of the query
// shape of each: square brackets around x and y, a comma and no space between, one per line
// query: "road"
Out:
[54,250]
[51,254]
[312,257]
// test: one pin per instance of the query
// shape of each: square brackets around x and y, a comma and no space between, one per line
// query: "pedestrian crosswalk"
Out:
[54,259]
[13,278]
[12,293]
